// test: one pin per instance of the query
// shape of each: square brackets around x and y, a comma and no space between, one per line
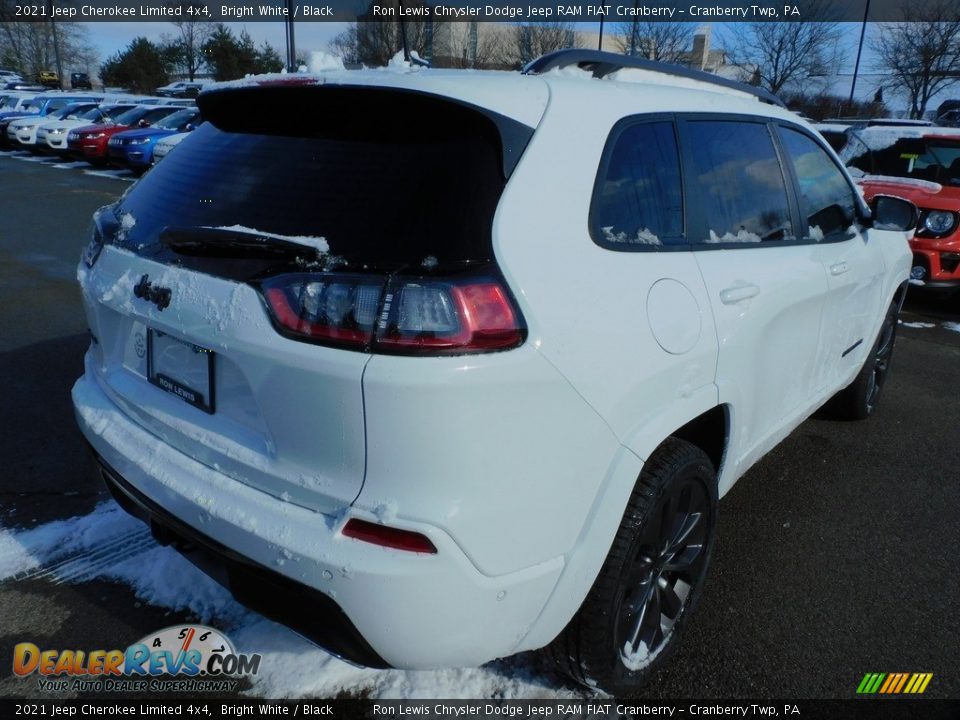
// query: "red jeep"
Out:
[920,164]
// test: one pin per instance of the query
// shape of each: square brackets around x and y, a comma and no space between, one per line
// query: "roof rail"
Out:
[603,63]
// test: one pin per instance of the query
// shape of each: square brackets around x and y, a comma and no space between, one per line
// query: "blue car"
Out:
[134,148]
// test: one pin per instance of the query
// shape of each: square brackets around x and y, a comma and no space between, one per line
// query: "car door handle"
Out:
[738,293]
[838,268]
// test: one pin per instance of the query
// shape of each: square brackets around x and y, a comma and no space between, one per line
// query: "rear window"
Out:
[388,179]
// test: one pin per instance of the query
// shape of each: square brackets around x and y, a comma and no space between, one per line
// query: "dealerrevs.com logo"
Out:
[199,657]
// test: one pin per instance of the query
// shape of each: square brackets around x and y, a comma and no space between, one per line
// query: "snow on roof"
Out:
[881,137]
[930,187]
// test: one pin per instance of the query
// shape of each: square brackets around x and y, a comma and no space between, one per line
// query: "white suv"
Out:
[438,366]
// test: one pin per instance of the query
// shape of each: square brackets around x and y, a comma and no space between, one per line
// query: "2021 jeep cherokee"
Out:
[438,367]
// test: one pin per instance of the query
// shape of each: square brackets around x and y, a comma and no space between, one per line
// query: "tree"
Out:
[230,57]
[474,45]
[140,68]
[28,47]
[663,41]
[344,45]
[531,40]
[788,53]
[922,52]
[187,46]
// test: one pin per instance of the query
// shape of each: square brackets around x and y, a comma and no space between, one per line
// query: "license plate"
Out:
[181,368]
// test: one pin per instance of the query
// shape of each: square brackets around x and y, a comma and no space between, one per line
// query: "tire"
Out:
[624,632]
[858,401]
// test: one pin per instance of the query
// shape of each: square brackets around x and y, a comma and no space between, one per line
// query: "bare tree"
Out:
[28,47]
[663,41]
[187,47]
[475,45]
[531,40]
[922,52]
[344,45]
[788,53]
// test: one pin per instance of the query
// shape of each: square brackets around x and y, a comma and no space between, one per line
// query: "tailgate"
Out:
[281,416]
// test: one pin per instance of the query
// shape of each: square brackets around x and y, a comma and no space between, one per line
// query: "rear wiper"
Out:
[222,242]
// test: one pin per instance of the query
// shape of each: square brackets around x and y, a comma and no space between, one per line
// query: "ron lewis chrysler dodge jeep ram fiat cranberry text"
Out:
[437,367]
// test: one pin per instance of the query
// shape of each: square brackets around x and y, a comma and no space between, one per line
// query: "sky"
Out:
[109,37]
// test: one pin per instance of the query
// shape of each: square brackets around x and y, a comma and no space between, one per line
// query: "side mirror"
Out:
[143,124]
[893,213]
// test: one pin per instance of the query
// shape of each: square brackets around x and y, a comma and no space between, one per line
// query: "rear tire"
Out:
[630,622]
[858,401]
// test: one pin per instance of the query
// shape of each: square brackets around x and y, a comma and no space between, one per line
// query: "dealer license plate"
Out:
[181,368]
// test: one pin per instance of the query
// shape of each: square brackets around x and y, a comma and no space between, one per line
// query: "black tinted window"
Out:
[826,198]
[638,199]
[738,182]
[387,179]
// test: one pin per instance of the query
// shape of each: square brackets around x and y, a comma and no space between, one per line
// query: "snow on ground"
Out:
[955,326]
[917,325]
[108,544]
[115,174]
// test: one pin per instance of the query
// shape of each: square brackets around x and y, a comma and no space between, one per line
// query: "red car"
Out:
[90,141]
[920,164]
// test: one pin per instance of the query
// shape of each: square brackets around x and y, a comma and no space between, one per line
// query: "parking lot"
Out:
[836,556]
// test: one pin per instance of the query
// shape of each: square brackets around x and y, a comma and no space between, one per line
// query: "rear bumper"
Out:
[407,610]
[309,612]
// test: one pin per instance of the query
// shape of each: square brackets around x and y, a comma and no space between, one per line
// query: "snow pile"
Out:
[399,64]
[917,325]
[742,236]
[955,326]
[320,61]
[879,137]
[643,237]
[109,544]
[316,242]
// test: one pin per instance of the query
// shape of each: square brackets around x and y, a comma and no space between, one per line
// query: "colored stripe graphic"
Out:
[894,683]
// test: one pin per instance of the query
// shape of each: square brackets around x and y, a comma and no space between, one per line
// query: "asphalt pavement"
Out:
[837,554]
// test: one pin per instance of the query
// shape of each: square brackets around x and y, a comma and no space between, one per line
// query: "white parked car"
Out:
[165,145]
[443,390]
[23,131]
[53,135]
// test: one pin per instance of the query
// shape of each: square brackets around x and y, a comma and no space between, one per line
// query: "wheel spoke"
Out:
[643,608]
[685,559]
[680,539]
[652,632]
[669,599]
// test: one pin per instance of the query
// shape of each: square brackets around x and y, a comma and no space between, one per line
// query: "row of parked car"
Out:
[920,162]
[125,131]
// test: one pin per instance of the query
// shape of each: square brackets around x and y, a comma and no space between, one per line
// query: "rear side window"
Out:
[387,179]
[738,182]
[826,198]
[638,200]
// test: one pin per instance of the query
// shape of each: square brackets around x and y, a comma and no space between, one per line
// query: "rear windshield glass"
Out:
[387,179]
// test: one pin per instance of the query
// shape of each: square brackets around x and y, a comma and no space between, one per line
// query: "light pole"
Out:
[856,66]
[291,42]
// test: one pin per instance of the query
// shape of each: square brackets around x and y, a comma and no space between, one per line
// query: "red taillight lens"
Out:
[388,536]
[410,316]
[334,309]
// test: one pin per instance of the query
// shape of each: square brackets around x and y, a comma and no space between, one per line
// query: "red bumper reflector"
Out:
[388,536]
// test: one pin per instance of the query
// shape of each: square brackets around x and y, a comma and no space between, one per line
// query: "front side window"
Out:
[738,182]
[826,198]
[638,200]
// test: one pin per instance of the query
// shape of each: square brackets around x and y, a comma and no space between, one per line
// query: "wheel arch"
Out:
[708,430]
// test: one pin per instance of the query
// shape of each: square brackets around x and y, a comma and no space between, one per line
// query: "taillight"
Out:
[328,308]
[388,536]
[408,316]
